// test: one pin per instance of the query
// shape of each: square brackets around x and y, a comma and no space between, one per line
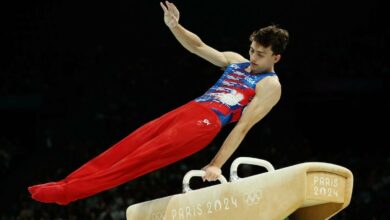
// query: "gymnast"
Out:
[244,94]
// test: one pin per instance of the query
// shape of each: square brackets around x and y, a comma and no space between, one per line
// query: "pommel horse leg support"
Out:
[306,191]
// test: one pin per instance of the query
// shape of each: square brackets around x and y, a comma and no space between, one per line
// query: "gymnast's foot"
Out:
[52,192]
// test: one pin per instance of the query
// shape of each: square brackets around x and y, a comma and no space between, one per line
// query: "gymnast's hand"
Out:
[171,14]
[212,173]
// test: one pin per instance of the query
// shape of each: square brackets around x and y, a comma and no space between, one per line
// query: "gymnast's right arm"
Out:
[193,43]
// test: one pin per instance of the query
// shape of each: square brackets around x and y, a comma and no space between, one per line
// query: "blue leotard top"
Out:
[232,92]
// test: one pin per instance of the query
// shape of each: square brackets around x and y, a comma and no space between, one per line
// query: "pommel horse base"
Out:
[306,191]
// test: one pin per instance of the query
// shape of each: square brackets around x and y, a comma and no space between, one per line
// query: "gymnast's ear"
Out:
[277,57]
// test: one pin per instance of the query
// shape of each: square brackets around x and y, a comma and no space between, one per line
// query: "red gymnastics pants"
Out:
[173,136]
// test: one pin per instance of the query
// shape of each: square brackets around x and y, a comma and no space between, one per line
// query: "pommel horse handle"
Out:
[199,173]
[248,160]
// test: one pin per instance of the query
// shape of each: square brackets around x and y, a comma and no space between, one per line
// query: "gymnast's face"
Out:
[262,58]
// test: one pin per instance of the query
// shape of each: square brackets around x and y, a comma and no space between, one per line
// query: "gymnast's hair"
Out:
[273,36]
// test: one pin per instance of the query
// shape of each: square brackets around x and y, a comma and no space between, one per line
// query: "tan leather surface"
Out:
[304,191]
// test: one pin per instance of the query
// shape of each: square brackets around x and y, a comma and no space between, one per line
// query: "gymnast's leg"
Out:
[182,135]
[115,153]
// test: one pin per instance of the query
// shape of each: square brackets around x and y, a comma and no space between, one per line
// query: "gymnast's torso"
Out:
[232,92]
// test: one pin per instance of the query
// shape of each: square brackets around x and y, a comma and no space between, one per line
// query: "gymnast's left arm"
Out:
[268,92]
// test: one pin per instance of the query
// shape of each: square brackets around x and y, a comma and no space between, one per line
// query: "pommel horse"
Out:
[306,191]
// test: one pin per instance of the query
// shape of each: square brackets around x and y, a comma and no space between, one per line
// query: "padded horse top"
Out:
[306,191]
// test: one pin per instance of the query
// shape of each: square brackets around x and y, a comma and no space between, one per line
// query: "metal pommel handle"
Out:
[198,173]
[248,160]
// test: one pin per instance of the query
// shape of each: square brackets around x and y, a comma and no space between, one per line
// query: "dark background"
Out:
[76,77]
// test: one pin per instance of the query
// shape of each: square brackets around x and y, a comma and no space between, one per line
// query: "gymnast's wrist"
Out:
[173,26]
[215,164]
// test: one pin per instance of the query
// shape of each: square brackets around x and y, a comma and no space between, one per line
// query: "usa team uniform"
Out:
[163,141]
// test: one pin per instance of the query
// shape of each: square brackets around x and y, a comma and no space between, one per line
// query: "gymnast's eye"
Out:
[259,55]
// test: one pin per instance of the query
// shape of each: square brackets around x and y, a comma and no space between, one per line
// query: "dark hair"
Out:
[272,36]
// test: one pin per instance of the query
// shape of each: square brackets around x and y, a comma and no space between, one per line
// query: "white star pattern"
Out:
[233,98]
[235,66]
[232,77]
